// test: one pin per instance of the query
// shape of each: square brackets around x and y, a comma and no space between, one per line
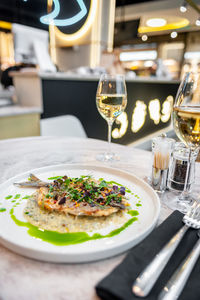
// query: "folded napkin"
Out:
[118,284]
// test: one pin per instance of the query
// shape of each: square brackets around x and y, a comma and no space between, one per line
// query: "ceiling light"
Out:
[156,22]
[198,22]
[148,63]
[192,55]
[183,7]
[171,25]
[173,34]
[138,55]
[144,37]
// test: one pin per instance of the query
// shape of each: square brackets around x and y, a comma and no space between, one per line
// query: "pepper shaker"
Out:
[178,167]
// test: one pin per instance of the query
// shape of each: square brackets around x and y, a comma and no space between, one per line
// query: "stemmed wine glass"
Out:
[186,122]
[111,100]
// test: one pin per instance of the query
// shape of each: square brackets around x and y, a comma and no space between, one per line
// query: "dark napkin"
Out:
[117,285]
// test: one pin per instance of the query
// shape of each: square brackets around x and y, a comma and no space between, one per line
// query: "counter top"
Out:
[85,77]
[14,110]
[93,77]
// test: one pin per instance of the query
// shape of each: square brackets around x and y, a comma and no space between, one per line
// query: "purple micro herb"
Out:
[122,190]
[115,187]
[87,193]
[107,194]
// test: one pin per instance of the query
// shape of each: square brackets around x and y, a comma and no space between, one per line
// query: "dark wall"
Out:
[76,97]
[24,12]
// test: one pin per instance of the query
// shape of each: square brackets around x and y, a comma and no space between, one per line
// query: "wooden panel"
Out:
[19,126]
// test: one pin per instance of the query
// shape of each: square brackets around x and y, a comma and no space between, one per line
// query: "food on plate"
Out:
[80,196]
[75,204]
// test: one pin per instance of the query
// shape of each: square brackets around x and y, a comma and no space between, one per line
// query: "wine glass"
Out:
[111,100]
[186,122]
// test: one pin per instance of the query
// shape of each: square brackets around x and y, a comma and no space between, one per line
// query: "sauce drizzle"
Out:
[65,239]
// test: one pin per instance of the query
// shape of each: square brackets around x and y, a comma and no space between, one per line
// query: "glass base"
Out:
[176,201]
[107,157]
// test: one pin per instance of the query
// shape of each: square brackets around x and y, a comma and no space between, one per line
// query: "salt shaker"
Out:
[161,150]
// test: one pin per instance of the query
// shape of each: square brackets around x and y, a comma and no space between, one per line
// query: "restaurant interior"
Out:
[99,104]
[154,43]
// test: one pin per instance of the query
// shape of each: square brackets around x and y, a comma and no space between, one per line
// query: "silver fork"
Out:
[147,279]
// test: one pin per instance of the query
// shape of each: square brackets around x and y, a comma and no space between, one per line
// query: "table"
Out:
[23,278]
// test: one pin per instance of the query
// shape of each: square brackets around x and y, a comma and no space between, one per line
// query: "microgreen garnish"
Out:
[103,184]
[55,177]
[51,188]
[86,176]
[86,189]
[67,182]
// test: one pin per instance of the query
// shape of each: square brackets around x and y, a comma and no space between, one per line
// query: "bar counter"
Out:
[19,121]
[147,111]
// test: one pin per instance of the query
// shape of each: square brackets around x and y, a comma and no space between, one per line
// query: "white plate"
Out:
[17,239]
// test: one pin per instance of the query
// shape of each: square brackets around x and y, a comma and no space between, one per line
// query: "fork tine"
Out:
[191,211]
[198,212]
[194,210]
[192,218]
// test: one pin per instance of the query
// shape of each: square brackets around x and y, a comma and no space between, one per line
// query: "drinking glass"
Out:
[111,100]
[186,122]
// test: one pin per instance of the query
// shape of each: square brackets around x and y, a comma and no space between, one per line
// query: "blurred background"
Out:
[52,53]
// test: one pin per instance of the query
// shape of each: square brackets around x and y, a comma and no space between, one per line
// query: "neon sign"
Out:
[59,32]
[154,110]
[122,120]
[139,116]
[50,19]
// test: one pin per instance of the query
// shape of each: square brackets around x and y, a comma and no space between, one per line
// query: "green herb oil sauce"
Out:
[8,197]
[2,209]
[64,239]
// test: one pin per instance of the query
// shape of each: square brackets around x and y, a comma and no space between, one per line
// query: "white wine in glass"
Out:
[187,125]
[186,121]
[111,101]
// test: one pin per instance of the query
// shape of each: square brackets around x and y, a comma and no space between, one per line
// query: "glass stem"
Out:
[184,194]
[109,136]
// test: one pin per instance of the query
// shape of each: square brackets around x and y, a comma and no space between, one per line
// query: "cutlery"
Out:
[148,277]
[175,285]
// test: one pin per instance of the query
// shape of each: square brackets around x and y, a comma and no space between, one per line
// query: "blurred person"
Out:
[162,70]
[6,79]
[116,66]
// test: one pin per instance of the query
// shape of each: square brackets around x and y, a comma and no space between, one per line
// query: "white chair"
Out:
[67,125]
